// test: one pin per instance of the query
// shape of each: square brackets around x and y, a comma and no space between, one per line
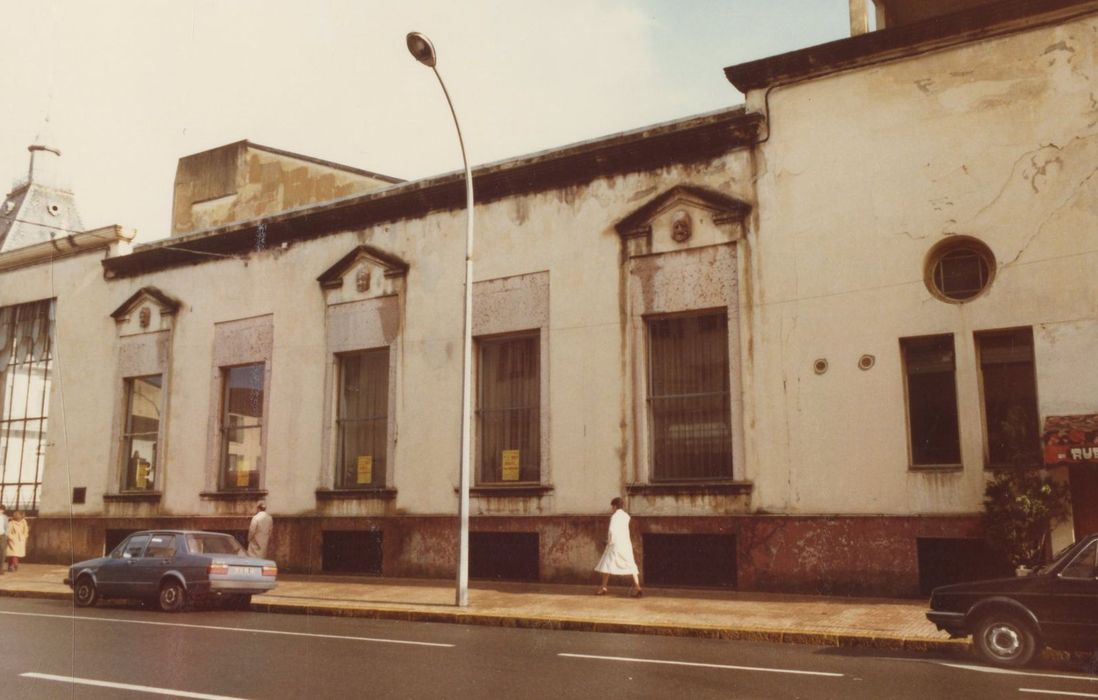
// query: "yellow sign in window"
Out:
[243,474]
[510,464]
[141,477]
[365,472]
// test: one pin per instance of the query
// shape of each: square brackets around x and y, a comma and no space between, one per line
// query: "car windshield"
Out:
[213,544]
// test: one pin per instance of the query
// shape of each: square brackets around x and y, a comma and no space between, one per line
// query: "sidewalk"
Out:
[851,622]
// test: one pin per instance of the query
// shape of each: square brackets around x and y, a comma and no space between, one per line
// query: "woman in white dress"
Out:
[618,559]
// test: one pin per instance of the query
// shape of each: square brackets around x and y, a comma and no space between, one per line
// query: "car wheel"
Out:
[1005,639]
[85,593]
[173,597]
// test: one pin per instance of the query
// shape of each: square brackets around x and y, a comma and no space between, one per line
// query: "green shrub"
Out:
[1020,508]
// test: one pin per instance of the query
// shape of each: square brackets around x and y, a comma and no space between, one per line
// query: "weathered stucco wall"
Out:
[564,239]
[861,174]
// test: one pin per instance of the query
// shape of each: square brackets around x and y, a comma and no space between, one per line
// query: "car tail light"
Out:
[270,571]
[218,567]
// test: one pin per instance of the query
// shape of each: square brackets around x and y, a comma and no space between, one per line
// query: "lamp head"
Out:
[422,49]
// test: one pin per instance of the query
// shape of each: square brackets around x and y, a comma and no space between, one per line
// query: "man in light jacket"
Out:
[3,533]
[259,531]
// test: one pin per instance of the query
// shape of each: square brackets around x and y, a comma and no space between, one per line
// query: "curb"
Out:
[572,624]
[50,595]
[749,634]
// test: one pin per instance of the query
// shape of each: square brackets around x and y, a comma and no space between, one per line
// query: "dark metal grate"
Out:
[688,397]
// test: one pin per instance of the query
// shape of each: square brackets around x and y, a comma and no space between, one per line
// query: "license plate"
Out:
[244,571]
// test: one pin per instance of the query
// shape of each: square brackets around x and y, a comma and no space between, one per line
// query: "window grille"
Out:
[26,360]
[689,398]
[363,418]
[509,409]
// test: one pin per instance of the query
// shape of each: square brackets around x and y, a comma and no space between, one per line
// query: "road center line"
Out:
[1058,692]
[230,629]
[128,686]
[1009,672]
[701,665]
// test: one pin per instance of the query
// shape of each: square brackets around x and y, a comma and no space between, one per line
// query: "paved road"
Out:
[50,650]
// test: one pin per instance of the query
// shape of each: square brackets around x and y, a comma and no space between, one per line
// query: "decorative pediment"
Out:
[137,312]
[365,272]
[684,216]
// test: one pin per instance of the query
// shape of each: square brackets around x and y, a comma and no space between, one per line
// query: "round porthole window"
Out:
[959,269]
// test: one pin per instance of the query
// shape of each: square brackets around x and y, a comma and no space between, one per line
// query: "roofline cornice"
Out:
[64,246]
[689,140]
[981,22]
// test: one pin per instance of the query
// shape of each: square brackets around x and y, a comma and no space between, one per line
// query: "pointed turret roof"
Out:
[41,207]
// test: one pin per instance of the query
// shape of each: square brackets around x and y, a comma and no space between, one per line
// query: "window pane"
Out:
[242,427]
[1010,398]
[363,419]
[26,332]
[962,273]
[932,400]
[140,432]
[689,398]
[509,409]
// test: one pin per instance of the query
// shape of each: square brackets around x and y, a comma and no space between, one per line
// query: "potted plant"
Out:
[1020,508]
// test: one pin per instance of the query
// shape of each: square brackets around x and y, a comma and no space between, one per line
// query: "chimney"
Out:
[44,166]
[859,17]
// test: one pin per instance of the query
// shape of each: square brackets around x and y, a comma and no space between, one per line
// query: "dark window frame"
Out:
[924,423]
[345,476]
[489,469]
[128,466]
[960,269]
[717,451]
[1007,366]
[230,427]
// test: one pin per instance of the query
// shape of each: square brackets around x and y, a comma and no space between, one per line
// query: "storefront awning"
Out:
[1071,439]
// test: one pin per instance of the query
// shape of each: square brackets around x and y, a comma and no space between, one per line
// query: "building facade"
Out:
[797,336]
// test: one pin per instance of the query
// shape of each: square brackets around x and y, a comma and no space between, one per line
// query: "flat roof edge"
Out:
[684,140]
[984,21]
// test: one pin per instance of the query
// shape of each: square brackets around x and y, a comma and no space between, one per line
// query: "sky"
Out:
[126,87]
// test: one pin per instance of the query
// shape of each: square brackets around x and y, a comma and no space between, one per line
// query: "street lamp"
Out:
[423,51]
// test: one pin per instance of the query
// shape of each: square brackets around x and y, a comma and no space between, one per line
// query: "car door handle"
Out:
[165,561]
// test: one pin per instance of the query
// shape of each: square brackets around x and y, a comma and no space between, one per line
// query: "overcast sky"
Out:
[126,87]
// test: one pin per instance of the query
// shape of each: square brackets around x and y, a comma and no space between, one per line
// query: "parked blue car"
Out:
[175,568]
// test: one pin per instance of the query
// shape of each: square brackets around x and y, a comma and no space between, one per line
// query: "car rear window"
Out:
[213,544]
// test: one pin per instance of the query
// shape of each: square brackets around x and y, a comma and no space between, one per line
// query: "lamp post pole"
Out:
[423,51]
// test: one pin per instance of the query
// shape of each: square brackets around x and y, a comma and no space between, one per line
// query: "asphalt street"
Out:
[52,650]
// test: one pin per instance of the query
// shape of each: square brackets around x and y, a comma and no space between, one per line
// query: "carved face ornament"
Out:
[681,226]
[144,316]
[362,279]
